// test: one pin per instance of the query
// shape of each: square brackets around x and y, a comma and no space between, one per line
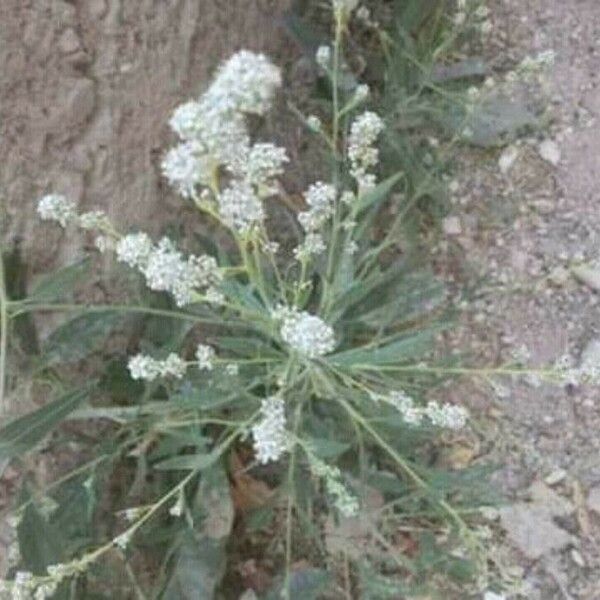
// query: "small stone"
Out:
[532,532]
[559,276]
[550,152]
[69,41]
[588,275]
[555,477]
[507,159]
[593,500]
[452,226]
[97,8]
[577,558]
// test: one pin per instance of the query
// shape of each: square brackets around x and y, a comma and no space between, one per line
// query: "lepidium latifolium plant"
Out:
[308,373]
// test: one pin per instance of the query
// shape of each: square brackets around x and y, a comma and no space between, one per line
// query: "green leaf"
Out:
[79,337]
[201,557]
[407,347]
[198,568]
[40,543]
[189,462]
[248,346]
[327,449]
[373,198]
[22,434]
[61,283]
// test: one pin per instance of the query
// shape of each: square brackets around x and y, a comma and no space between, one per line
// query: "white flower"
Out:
[245,83]
[187,166]
[264,162]
[54,207]
[405,406]
[104,244]
[361,93]
[313,245]
[448,416]
[232,369]
[240,207]
[307,334]
[205,356]
[168,271]
[361,150]
[147,368]
[345,503]
[314,123]
[323,57]
[270,435]
[320,197]
[187,119]
[134,250]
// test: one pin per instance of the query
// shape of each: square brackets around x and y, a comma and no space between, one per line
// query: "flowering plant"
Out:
[309,358]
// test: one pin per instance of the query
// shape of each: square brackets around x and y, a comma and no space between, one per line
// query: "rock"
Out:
[588,275]
[530,525]
[555,477]
[532,532]
[593,500]
[550,152]
[507,159]
[559,276]
[97,8]
[452,226]
[68,42]
[590,357]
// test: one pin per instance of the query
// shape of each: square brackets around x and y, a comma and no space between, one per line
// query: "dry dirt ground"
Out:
[523,228]
[85,90]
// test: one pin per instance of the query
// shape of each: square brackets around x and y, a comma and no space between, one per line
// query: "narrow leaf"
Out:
[22,434]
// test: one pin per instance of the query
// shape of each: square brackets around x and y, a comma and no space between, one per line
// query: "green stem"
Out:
[3,335]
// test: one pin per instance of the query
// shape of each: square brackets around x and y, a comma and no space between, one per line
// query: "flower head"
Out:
[361,147]
[245,83]
[240,206]
[187,166]
[134,250]
[270,435]
[205,356]
[307,334]
[55,207]
[147,368]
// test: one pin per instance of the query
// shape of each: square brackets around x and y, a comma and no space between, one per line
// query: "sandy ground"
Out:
[523,229]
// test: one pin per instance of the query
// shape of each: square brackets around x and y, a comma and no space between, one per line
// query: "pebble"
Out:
[577,558]
[69,41]
[452,226]
[588,275]
[555,477]
[507,159]
[550,152]
[593,500]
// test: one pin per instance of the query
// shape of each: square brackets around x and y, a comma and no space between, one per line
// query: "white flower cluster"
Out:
[270,435]
[323,57]
[305,333]
[320,198]
[214,135]
[362,152]
[54,207]
[313,244]
[447,416]
[205,355]
[147,368]
[343,500]
[165,268]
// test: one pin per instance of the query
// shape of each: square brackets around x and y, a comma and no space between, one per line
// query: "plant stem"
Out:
[3,336]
